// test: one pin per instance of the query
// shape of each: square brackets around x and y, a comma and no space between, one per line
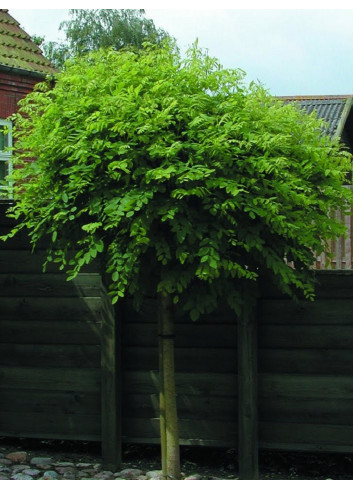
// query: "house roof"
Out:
[18,51]
[334,109]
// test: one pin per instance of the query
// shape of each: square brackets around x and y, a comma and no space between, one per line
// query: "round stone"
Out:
[64,470]
[105,475]
[21,477]
[19,468]
[50,475]
[64,464]
[69,475]
[82,473]
[41,460]
[154,475]
[32,472]
[193,477]
[44,467]
[17,457]
[5,461]
[129,473]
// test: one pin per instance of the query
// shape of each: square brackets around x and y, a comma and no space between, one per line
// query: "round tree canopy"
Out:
[180,176]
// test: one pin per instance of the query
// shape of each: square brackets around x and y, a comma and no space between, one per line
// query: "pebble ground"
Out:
[22,459]
[22,464]
[18,466]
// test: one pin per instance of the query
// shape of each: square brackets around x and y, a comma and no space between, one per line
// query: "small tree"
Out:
[188,184]
[91,29]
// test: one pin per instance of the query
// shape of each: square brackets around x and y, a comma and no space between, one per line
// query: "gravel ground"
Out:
[44,460]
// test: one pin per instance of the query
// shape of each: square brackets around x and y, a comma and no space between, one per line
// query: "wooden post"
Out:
[111,388]
[248,387]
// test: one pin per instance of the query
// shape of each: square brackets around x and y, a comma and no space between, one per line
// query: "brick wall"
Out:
[13,87]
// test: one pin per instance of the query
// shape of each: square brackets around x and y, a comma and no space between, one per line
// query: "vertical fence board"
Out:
[111,398]
[247,391]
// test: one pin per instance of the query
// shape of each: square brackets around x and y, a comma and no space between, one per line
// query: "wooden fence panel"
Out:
[305,371]
[57,367]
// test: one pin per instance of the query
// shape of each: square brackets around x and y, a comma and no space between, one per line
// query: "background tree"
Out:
[89,30]
[189,184]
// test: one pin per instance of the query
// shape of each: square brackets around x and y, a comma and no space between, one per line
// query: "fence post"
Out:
[248,387]
[111,387]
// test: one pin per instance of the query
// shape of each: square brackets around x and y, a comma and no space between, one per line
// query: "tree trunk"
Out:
[168,410]
[248,386]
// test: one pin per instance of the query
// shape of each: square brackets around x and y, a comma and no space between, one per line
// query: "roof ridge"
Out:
[314,97]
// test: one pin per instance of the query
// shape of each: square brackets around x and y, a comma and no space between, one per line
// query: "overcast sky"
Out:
[306,51]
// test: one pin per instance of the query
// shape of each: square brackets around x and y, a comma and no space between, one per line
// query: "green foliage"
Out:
[92,29]
[39,40]
[183,179]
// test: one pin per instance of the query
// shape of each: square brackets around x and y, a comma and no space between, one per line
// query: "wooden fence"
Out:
[305,372]
[57,351]
[65,367]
